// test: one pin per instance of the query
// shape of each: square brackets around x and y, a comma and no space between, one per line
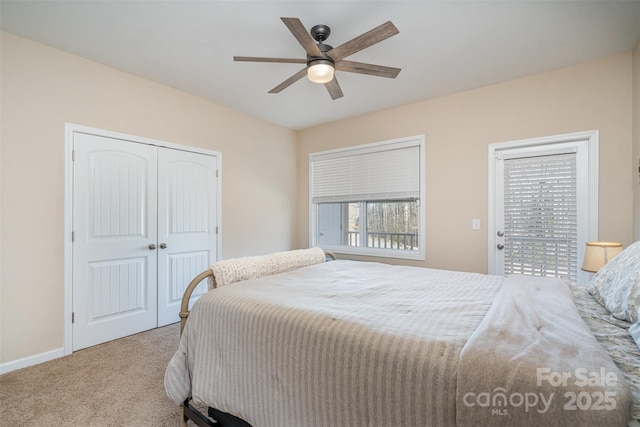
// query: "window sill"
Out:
[378,253]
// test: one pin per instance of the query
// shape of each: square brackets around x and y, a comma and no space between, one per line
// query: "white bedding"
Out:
[533,361]
[342,343]
[339,343]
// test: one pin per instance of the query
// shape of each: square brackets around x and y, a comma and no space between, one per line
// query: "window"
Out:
[366,199]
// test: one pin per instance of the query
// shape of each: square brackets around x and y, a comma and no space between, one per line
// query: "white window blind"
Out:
[386,172]
[540,216]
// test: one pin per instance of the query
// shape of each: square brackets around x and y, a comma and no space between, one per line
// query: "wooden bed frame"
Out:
[188,411]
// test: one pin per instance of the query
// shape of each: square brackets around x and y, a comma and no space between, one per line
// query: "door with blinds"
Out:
[542,210]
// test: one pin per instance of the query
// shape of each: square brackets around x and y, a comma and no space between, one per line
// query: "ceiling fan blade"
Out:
[370,69]
[302,35]
[261,59]
[363,41]
[291,80]
[334,89]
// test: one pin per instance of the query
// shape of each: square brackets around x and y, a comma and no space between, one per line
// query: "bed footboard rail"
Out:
[186,297]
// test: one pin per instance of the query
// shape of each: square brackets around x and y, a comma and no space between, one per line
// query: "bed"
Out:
[290,340]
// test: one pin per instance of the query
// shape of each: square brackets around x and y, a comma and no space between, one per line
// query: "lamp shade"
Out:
[320,71]
[598,254]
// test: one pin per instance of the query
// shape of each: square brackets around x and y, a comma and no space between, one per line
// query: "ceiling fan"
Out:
[322,60]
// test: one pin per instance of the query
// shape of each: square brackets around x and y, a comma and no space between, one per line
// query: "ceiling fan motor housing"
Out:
[324,48]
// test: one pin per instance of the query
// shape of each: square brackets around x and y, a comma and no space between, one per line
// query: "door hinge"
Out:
[216,229]
[217,173]
[73,236]
[73,155]
[73,317]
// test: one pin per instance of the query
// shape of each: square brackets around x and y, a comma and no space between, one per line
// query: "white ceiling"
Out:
[443,46]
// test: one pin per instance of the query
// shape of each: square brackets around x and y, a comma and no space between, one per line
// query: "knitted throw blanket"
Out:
[237,269]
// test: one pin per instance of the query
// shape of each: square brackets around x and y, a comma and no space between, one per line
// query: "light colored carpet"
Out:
[119,383]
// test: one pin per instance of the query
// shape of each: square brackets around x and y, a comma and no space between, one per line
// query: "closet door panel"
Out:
[186,225]
[114,269]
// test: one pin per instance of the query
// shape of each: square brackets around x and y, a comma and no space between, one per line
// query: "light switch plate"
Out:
[475,224]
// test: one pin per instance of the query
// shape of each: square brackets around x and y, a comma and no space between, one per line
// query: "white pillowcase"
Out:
[617,285]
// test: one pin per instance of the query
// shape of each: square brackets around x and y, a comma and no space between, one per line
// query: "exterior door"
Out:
[114,215]
[330,228]
[186,226]
[544,206]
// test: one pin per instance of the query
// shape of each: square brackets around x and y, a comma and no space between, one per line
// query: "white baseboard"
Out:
[31,360]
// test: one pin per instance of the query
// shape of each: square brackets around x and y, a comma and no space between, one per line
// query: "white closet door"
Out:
[186,225]
[114,216]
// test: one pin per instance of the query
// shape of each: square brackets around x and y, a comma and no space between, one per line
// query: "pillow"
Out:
[617,285]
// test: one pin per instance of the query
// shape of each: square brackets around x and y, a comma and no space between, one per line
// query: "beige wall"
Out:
[635,167]
[458,130]
[42,88]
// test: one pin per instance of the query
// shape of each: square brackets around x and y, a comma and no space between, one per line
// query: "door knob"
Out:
[152,246]
[163,246]
[500,246]
[500,234]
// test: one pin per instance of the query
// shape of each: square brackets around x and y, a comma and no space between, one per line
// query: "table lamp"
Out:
[598,254]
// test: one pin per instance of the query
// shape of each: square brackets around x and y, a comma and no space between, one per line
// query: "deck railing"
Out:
[403,241]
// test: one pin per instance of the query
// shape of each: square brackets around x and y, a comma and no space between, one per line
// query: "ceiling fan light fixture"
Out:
[320,71]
